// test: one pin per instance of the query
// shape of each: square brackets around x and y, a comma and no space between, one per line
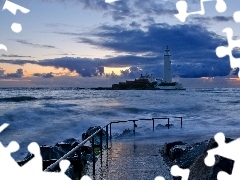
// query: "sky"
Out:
[90,43]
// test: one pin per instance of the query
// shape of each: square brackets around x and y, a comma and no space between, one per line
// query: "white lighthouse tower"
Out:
[167,78]
[166,83]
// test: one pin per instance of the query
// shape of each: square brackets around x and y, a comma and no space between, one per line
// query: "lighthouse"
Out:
[167,78]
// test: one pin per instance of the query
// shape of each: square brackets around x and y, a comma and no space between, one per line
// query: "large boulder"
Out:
[199,170]
[186,160]
[192,157]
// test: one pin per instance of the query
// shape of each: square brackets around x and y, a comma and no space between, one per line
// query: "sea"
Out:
[51,115]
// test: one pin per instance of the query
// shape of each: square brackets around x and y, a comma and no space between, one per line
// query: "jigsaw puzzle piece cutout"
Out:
[227,150]
[5,125]
[35,164]
[110,1]
[236,16]
[86,178]
[3,47]
[12,7]
[159,178]
[221,6]
[223,176]
[6,160]
[182,8]
[222,51]
[64,164]
[177,171]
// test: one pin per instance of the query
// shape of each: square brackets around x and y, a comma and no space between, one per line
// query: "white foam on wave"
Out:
[56,118]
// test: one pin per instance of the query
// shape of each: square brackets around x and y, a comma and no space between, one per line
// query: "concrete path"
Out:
[135,160]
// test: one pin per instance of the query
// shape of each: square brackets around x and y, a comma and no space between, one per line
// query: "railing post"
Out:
[101,146]
[181,122]
[134,126]
[107,136]
[110,131]
[79,161]
[168,123]
[153,124]
[93,155]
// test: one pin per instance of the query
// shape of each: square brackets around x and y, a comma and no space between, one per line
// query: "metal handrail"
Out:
[54,165]
[74,150]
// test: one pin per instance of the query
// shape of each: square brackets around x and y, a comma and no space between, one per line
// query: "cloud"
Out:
[18,74]
[44,75]
[15,56]
[24,42]
[184,40]
[222,18]
[126,9]
[192,48]
[83,66]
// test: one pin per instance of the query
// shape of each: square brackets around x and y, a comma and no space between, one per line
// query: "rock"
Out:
[178,151]
[97,137]
[71,173]
[198,170]
[168,146]
[186,160]
[50,154]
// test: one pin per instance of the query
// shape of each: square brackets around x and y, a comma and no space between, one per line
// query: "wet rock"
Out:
[198,170]
[71,173]
[97,137]
[168,146]
[178,151]
[186,160]
[193,156]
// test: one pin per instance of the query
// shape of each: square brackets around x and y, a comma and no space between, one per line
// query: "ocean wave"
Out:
[59,105]
[18,99]
[234,102]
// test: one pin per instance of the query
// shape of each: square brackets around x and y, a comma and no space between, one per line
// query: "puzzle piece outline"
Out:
[32,168]
[182,8]
[227,150]
[177,171]
[222,51]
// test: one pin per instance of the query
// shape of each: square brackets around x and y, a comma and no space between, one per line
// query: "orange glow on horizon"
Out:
[116,70]
[30,69]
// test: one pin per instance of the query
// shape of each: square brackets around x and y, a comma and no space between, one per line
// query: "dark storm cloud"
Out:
[83,66]
[44,75]
[223,18]
[24,42]
[18,74]
[184,40]
[18,62]
[192,48]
